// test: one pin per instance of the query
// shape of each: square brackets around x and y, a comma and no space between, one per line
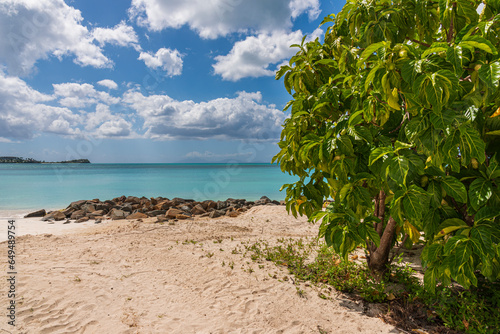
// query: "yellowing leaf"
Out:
[393,98]
[496,113]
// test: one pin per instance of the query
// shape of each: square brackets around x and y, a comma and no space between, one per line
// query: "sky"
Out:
[148,81]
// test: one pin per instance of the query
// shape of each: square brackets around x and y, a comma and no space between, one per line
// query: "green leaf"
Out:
[450,225]
[478,42]
[441,120]
[370,50]
[490,74]
[432,252]
[430,279]
[454,56]
[372,234]
[398,169]
[434,48]
[480,192]
[434,191]
[412,206]
[483,235]
[471,145]
[454,188]
[378,153]
[486,213]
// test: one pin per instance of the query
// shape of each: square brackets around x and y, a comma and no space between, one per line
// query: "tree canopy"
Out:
[396,117]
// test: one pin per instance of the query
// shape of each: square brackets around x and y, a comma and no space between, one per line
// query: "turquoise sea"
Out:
[54,186]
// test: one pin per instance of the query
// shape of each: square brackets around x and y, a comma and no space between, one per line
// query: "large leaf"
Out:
[480,192]
[450,225]
[378,153]
[454,188]
[442,119]
[454,56]
[478,42]
[471,145]
[486,213]
[398,169]
[413,206]
[490,74]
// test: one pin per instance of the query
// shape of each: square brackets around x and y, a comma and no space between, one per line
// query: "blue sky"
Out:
[148,80]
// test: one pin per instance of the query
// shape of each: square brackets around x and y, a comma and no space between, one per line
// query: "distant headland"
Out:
[17,160]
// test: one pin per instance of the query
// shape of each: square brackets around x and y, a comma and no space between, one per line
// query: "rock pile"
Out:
[132,207]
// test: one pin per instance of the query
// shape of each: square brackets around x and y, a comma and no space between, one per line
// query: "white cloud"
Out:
[168,60]
[253,56]
[311,7]
[33,30]
[115,128]
[74,95]
[103,123]
[24,112]
[211,19]
[242,117]
[108,84]
[121,35]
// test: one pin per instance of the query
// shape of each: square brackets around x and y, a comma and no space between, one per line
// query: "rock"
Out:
[186,208]
[282,202]
[77,204]
[78,214]
[133,200]
[221,205]
[263,201]
[126,207]
[97,213]
[216,213]
[98,221]
[67,221]
[83,219]
[198,210]
[120,199]
[207,205]
[68,211]
[206,214]
[88,208]
[58,215]
[117,214]
[39,213]
[172,213]
[275,202]
[156,213]
[137,215]
[54,215]
[182,216]
[232,213]
[161,218]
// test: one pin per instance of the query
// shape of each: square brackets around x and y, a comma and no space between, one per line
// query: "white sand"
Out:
[129,277]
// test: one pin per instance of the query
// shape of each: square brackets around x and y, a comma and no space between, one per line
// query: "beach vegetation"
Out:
[407,303]
[395,122]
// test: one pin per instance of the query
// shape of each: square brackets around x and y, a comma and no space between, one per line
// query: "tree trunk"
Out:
[379,259]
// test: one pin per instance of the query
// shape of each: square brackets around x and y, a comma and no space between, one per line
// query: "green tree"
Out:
[395,116]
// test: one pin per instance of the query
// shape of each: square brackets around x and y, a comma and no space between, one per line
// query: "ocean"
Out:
[54,186]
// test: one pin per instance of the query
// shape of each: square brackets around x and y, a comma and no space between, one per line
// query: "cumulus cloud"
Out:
[168,60]
[75,95]
[33,30]
[24,112]
[108,84]
[254,56]
[121,35]
[242,117]
[211,19]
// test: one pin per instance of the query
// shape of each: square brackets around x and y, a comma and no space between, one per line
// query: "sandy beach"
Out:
[178,277]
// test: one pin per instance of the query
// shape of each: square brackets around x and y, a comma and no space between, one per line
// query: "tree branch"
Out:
[418,42]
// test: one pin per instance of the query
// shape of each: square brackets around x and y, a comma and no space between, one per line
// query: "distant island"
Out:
[17,160]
